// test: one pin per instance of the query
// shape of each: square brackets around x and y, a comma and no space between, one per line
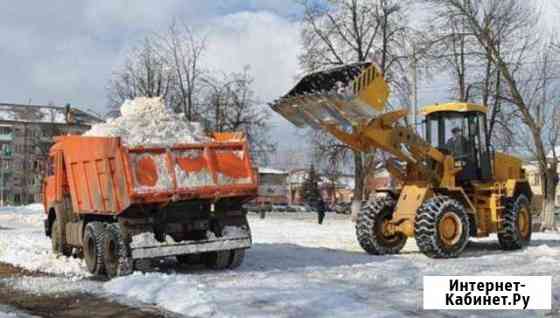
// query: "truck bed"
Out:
[107,177]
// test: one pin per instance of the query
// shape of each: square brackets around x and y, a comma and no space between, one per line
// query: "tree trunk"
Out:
[549,204]
[358,184]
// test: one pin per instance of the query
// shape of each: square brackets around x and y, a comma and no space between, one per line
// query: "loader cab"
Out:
[459,129]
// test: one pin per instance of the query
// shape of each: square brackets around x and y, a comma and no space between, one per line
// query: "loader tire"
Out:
[236,259]
[442,227]
[94,237]
[516,227]
[115,252]
[369,228]
[218,260]
[58,245]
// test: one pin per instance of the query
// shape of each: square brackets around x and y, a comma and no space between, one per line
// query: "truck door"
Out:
[49,187]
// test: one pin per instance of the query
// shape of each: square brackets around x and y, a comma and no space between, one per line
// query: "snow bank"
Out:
[146,121]
[9,312]
[30,214]
[23,243]
[298,268]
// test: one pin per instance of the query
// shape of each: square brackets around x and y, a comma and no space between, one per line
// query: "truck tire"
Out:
[115,252]
[237,257]
[218,260]
[93,247]
[144,265]
[369,228]
[516,228]
[189,259]
[58,245]
[442,227]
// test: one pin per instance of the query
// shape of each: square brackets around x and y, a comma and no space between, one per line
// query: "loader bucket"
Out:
[344,95]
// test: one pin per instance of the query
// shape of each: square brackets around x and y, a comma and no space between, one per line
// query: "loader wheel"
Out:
[370,228]
[93,247]
[58,246]
[218,260]
[442,227]
[236,259]
[115,253]
[515,232]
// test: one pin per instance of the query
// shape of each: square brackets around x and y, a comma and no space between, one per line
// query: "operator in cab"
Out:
[457,144]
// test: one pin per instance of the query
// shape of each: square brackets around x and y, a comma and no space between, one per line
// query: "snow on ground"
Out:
[299,268]
[23,243]
[9,312]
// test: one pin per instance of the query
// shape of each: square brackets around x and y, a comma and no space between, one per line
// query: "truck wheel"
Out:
[143,265]
[115,252]
[58,246]
[218,260]
[370,228]
[516,228]
[93,247]
[237,257]
[442,227]
[189,259]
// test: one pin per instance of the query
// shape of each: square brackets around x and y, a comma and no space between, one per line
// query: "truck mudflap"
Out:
[191,247]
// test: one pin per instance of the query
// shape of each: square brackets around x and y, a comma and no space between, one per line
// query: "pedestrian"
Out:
[320,207]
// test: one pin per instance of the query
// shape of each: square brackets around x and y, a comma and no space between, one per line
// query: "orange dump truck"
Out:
[122,206]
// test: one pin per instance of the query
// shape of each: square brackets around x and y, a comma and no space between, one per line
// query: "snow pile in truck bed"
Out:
[146,121]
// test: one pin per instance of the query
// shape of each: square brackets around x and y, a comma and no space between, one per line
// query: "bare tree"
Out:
[145,73]
[169,66]
[231,105]
[184,49]
[506,30]
[346,31]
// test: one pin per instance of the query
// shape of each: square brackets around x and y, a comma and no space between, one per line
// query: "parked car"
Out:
[280,207]
[343,208]
[296,208]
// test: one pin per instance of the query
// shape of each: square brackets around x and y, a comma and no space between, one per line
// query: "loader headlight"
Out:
[460,164]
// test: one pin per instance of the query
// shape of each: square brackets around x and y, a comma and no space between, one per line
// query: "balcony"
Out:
[6,137]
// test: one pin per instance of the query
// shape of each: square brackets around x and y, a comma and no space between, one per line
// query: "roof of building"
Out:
[298,177]
[266,170]
[453,107]
[44,114]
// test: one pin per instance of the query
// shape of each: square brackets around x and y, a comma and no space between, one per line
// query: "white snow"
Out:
[266,170]
[146,121]
[36,114]
[9,312]
[23,243]
[296,268]
[299,268]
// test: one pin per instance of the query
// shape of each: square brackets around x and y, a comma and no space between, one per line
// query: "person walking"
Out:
[320,207]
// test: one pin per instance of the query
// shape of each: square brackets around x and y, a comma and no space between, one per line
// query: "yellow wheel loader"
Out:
[452,184]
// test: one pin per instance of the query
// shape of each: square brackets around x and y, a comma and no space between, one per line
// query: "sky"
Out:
[65,51]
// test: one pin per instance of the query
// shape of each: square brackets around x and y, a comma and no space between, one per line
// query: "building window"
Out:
[535,180]
[5,130]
